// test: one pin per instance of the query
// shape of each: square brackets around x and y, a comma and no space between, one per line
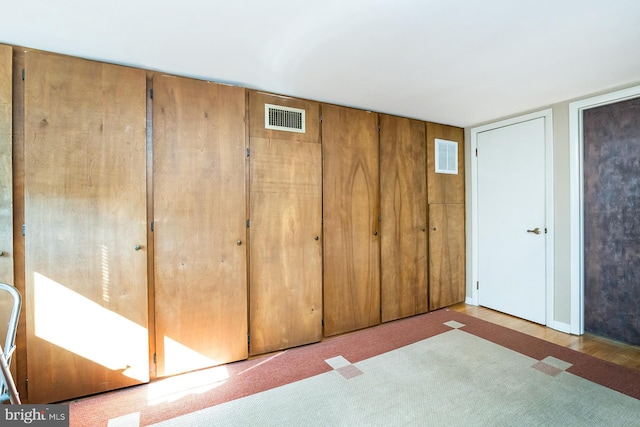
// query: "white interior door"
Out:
[511,219]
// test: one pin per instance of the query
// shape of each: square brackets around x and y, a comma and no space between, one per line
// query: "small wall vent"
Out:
[284,118]
[446,156]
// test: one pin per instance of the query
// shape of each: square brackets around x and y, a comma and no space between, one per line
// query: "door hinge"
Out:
[248,152]
[26,385]
[154,359]
[24,229]
[476,152]
[248,223]
[322,322]
[320,118]
[545,230]
[23,74]
[477,285]
[378,128]
[151,93]
[248,339]
[152,225]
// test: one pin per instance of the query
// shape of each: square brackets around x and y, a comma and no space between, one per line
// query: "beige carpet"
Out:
[454,378]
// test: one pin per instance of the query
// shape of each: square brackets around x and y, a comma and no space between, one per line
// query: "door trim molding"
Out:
[576,213]
[549,249]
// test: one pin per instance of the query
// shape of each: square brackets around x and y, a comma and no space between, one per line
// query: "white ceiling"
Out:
[459,62]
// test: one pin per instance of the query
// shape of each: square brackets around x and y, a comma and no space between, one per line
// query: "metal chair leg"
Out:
[8,380]
[8,389]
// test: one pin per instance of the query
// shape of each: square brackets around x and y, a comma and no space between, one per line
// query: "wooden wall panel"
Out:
[199,224]
[285,308]
[444,188]
[6,191]
[286,246]
[403,191]
[6,170]
[20,357]
[351,219]
[446,255]
[85,216]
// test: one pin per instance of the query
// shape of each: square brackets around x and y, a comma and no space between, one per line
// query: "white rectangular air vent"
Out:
[446,156]
[284,118]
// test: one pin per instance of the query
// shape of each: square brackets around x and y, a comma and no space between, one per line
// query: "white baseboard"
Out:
[469,300]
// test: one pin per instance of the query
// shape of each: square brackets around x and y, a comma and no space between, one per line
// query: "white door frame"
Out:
[548,116]
[576,232]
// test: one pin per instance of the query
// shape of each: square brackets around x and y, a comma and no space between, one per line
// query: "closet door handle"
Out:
[534,231]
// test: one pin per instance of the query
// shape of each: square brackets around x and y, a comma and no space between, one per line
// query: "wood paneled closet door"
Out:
[403,240]
[445,195]
[446,255]
[6,172]
[6,191]
[199,195]
[85,224]
[285,228]
[351,219]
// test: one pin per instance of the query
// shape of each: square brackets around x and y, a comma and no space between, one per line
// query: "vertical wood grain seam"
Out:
[153,371]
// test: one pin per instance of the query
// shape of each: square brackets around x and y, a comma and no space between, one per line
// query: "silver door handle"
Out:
[535,231]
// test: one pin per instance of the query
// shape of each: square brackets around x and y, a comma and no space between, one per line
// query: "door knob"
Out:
[137,247]
[1,253]
[239,242]
[316,238]
[534,231]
